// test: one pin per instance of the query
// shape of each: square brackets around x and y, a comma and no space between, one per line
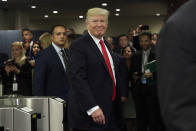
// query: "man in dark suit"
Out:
[27,41]
[50,74]
[94,93]
[177,69]
[51,67]
[144,93]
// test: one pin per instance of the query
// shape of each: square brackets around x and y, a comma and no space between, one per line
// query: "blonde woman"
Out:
[18,72]
[45,40]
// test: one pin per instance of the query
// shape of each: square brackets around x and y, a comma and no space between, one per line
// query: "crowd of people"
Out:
[105,84]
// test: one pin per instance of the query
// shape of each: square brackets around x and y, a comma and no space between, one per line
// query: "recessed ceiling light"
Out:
[104,4]
[81,16]
[117,9]
[55,12]
[45,16]
[117,14]
[158,14]
[4,0]
[33,6]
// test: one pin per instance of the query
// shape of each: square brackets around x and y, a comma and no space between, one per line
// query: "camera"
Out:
[145,27]
[9,62]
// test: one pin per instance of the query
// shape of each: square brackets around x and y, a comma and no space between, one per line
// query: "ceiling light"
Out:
[117,14]
[45,16]
[55,12]
[33,6]
[158,14]
[117,9]
[3,0]
[81,16]
[104,4]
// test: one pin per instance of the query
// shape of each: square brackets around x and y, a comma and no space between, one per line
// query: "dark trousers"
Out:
[147,109]
[65,120]
[114,124]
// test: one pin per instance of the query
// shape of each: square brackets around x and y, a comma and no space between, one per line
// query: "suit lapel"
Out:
[151,56]
[57,59]
[93,45]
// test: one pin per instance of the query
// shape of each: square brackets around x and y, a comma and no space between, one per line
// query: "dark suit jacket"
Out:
[91,83]
[177,69]
[23,79]
[136,66]
[50,78]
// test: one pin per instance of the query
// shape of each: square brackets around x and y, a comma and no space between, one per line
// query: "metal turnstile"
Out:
[17,119]
[49,108]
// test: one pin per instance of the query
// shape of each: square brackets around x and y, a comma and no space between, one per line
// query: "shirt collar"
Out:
[96,40]
[58,49]
[146,52]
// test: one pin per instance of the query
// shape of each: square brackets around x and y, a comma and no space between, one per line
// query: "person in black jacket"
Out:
[177,68]
[145,94]
[20,69]
[94,94]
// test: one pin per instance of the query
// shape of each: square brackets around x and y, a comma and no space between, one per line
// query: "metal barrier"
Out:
[50,110]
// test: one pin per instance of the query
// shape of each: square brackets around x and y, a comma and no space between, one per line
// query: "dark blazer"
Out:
[177,69]
[136,65]
[91,83]
[23,79]
[50,78]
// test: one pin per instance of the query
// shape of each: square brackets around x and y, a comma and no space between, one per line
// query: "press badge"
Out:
[147,71]
[143,80]
[15,87]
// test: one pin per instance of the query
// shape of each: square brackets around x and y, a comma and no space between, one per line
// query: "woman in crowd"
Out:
[154,39]
[128,106]
[45,40]
[18,72]
[36,48]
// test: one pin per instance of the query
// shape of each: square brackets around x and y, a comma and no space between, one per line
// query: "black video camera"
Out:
[145,27]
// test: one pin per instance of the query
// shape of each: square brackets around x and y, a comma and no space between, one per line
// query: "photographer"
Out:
[138,30]
[144,90]
[18,72]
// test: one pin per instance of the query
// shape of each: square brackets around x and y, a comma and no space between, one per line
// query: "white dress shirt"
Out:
[58,50]
[145,55]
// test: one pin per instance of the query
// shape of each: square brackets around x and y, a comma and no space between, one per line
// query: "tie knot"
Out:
[61,50]
[101,42]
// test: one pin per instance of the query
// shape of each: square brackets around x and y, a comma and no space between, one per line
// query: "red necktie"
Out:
[105,55]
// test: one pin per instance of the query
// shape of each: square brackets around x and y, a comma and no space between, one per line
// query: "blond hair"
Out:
[45,40]
[96,11]
[22,56]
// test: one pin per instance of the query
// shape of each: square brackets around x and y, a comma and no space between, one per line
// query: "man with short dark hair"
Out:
[27,41]
[51,68]
[50,74]
[145,95]
[123,41]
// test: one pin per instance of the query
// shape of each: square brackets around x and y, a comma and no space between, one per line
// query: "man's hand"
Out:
[123,99]
[7,69]
[147,75]
[98,117]
[32,62]
[15,69]
[135,76]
